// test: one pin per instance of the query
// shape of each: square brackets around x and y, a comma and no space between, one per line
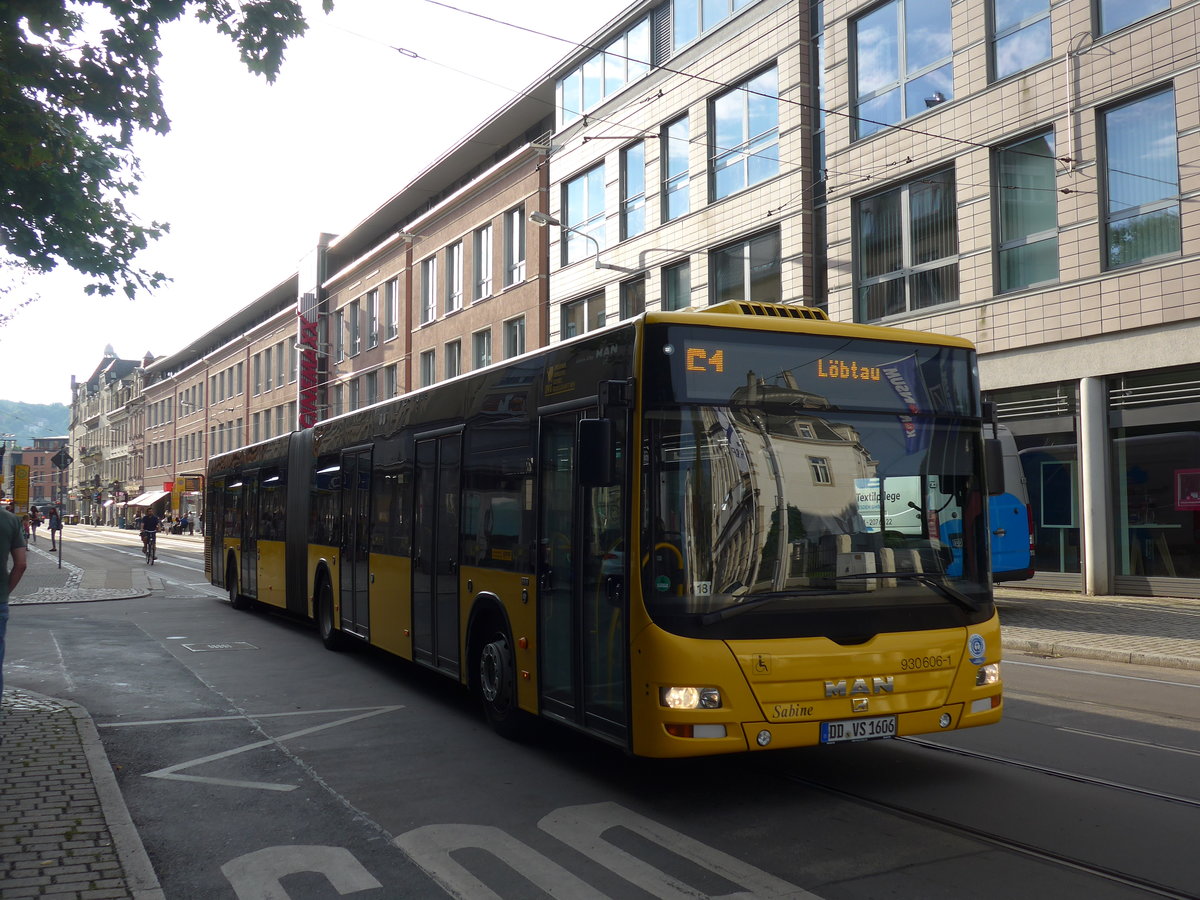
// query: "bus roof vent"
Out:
[770,310]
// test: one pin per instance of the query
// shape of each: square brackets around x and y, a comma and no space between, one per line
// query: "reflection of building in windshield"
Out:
[782,478]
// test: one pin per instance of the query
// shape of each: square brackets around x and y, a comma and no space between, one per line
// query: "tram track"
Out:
[1053,772]
[996,840]
[1011,844]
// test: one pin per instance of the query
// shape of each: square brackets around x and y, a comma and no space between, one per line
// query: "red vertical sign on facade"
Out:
[309,372]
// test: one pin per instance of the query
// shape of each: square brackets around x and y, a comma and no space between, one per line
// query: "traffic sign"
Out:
[62,459]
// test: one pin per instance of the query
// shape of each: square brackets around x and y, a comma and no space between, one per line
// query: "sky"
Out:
[251,173]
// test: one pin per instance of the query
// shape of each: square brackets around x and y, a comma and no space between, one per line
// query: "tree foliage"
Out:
[77,82]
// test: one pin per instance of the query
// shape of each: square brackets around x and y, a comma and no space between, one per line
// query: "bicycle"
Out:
[149,546]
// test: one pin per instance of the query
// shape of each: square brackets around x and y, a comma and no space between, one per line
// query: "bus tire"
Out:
[331,637]
[498,684]
[236,600]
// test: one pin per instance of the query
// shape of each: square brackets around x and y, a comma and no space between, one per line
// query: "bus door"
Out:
[356,549]
[582,581]
[437,474]
[248,582]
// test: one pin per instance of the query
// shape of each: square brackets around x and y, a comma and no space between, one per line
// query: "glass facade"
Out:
[903,67]
[907,243]
[1141,179]
[745,134]
[1028,213]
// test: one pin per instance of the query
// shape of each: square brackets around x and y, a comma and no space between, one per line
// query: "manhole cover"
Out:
[228,645]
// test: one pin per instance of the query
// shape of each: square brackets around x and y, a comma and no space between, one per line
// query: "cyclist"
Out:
[150,527]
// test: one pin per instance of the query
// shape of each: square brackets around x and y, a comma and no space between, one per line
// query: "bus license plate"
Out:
[858,729]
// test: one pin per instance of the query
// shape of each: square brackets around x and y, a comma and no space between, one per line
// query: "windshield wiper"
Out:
[954,595]
[756,601]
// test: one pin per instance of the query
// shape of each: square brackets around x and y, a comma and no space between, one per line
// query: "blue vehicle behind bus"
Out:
[1010,515]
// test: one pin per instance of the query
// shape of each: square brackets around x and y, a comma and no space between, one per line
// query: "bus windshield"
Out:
[779,512]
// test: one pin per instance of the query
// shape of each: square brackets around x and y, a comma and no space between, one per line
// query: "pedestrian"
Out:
[191,525]
[34,521]
[54,522]
[11,544]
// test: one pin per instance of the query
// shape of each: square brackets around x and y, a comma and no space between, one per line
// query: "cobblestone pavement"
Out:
[1150,631]
[65,832]
[64,828]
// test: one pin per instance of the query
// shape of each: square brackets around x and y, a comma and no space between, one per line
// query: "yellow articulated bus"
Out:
[695,532]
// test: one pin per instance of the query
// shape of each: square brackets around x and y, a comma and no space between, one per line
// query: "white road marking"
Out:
[170,772]
[256,876]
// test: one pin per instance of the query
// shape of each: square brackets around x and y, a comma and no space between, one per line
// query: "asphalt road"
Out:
[257,764]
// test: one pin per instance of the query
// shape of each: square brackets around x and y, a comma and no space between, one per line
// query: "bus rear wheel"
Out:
[236,600]
[331,637]
[498,685]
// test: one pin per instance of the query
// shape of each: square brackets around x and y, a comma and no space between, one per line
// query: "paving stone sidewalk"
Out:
[64,829]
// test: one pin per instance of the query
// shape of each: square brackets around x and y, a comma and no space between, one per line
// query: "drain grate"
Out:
[228,645]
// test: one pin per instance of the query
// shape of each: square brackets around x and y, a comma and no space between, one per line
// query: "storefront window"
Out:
[1156,473]
[1043,423]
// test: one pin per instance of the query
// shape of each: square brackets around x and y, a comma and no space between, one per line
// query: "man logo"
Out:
[877,685]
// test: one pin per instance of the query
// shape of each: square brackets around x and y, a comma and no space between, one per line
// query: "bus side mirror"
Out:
[596,453]
[993,462]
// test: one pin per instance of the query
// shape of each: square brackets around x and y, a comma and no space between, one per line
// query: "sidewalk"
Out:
[65,831]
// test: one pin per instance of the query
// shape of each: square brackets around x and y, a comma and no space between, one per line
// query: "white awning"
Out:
[149,498]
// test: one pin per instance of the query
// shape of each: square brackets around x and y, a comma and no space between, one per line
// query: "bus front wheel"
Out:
[330,636]
[498,685]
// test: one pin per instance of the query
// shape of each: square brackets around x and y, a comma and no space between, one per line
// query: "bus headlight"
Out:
[989,674]
[690,698]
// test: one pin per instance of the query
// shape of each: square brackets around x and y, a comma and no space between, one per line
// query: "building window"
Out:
[603,74]
[268,382]
[453,358]
[428,290]
[820,469]
[481,348]
[906,240]
[514,246]
[372,387]
[354,320]
[633,298]
[391,298]
[293,362]
[747,270]
[482,252]
[583,315]
[514,337]
[745,134]
[1027,213]
[454,277]
[692,18]
[676,180]
[1141,180]
[373,318]
[903,65]
[583,213]
[339,335]
[1020,35]
[257,363]
[1116,14]
[281,361]
[392,380]
[355,394]
[677,286]
[633,190]
[428,368]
